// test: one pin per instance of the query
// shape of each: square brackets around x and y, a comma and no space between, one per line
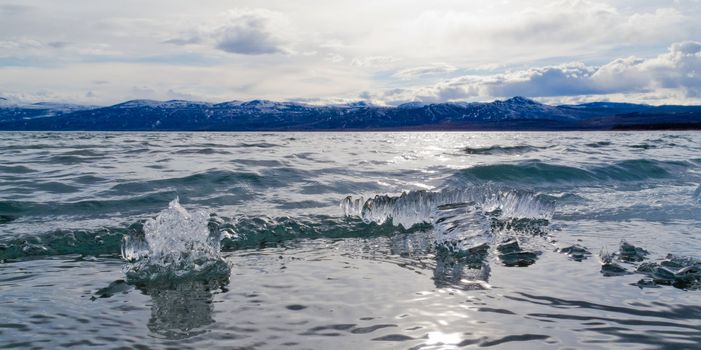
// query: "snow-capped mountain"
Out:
[13,111]
[517,113]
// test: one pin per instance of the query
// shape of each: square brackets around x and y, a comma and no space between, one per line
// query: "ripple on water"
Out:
[496,256]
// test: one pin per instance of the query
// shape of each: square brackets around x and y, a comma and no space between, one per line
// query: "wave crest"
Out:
[411,208]
[175,244]
[538,172]
[497,150]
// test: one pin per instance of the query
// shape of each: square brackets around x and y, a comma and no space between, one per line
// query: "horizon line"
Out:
[359,102]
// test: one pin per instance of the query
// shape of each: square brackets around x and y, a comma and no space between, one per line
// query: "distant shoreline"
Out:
[514,114]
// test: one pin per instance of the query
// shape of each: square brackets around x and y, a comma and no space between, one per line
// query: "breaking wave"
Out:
[235,234]
[416,207]
[175,244]
[106,241]
[466,223]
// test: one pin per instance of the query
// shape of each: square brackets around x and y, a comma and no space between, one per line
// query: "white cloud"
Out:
[675,72]
[115,82]
[19,44]
[416,72]
[335,58]
[536,30]
[679,68]
[14,9]
[374,61]
[398,50]
[250,32]
[241,31]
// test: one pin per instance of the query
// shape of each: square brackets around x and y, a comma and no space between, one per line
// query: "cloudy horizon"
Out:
[386,53]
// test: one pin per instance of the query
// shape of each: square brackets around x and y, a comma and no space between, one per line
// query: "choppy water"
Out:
[350,240]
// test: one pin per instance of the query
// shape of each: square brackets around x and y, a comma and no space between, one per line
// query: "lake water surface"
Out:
[448,240]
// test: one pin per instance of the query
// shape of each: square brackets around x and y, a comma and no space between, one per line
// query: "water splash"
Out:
[461,226]
[416,207]
[466,223]
[176,244]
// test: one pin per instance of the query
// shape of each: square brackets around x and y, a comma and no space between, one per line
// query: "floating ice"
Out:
[176,244]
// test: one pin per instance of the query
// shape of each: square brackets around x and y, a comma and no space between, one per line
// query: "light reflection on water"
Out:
[316,280]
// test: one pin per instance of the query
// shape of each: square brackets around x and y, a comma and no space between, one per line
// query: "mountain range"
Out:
[517,113]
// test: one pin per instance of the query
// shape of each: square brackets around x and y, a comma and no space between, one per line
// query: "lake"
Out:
[406,240]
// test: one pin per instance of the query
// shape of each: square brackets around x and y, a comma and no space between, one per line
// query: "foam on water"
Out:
[175,244]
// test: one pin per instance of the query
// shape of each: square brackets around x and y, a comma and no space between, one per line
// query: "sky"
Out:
[385,52]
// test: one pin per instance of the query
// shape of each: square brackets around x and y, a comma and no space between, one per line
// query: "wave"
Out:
[462,235]
[85,152]
[201,181]
[16,169]
[539,172]
[416,207]
[598,144]
[175,244]
[258,145]
[105,241]
[235,234]
[142,196]
[92,208]
[495,150]
[207,150]
[72,159]
[643,146]
[261,232]
[466,223]
[461,227]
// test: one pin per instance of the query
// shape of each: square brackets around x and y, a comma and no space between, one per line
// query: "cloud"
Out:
[13,9]
[554,28]
[242,31]
[249,32]
[413,73]
[20,44]
[190,40]
[679,68]
[58,44]
[374,61]
[334,58]
[677,71]
[294,49]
